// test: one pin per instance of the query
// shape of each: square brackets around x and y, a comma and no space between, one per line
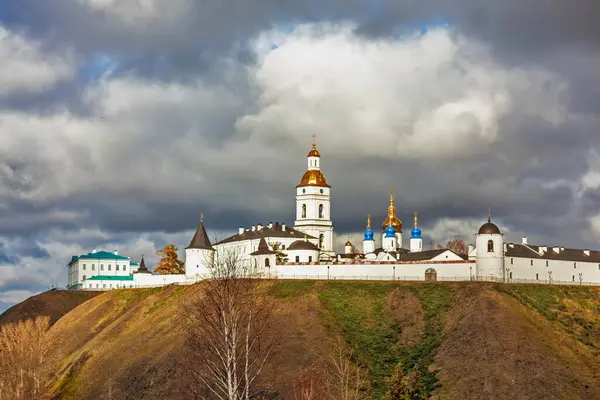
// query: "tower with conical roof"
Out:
[392,220]
[199,254]
[313,204]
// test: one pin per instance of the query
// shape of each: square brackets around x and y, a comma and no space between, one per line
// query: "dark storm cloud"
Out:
[164,155]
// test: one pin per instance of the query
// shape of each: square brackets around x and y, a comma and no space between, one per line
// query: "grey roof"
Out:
[142,269]
[565,254]
[422,255]
[263,248]
[302,245]
[200,239]
[275,231]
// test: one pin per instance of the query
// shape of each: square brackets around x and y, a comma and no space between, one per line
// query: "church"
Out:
[305,251]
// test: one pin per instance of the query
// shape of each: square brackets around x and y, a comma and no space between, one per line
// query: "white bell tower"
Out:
[313,205]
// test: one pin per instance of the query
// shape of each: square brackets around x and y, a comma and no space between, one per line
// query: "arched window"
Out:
[267,262]
[321,239]
[490,246]
[320,210]
[303,210]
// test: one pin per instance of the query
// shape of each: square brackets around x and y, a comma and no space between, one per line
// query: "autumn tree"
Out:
[231,332]
[23,352]
[169,261]
[458,246]
[405,387]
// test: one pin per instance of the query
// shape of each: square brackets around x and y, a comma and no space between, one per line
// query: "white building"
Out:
[306,251]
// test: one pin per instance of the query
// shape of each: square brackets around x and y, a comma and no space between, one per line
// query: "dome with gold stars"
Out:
[391,217]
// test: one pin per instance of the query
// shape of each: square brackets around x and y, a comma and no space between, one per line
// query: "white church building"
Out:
[305,251]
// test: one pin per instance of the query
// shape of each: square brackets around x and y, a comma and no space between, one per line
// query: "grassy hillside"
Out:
[469,340]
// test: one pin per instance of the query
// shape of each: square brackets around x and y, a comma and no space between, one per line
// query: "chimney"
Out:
[283,227]
[270,225]
[586,252]
[241,230]
[116,252]
[253,228]
[259,227]
[471,248]
[524,240]
[94,251]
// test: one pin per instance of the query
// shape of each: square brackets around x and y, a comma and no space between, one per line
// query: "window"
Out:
[490,246]
[511,261]
[574,265]
[309,258]
[546,263]
[298,260]
[510,275]
[321,239]
[283,247]
[531,263]
[84,277]
[84,267]
[97,285]
[320,210]
[267,262]
[303,210]
[537,277]
[573,278]
[101,267]
[124,267]
[116,267]
[109,266]
[93,267]
[104,285]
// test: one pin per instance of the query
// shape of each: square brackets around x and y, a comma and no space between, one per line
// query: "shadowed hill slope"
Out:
[469,340]
[53,303]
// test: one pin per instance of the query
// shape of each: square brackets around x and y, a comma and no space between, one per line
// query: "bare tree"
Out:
[230,331]
[23,351]
[458,246]
[345,379]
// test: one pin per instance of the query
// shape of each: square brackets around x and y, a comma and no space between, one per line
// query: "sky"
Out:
[122,120]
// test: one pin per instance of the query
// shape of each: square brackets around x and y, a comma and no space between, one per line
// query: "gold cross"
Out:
[314,140]
[201,217]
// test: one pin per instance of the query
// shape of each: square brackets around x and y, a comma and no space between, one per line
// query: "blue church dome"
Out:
[390,231]
[369,234]
[415,233]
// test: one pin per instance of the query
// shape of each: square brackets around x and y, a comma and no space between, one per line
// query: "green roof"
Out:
[110,278]
[99,255]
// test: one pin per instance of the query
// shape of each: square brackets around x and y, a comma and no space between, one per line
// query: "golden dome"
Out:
[391,217]
[313,177]
[348,244]
[314,152]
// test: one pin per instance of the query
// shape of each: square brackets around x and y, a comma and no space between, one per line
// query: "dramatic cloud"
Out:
[25,67]
[122,120]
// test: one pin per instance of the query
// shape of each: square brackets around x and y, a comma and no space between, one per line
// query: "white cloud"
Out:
[439,95]
[24,66]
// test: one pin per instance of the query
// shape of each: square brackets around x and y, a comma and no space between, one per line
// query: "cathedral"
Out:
[306,251]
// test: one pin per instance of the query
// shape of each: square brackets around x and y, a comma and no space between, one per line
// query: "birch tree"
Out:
[230,332]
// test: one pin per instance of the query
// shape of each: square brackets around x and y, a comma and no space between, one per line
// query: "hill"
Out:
[469,340]
[53,303]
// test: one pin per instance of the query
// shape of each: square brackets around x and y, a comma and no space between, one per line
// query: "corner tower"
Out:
[199,255]
[490,251]
[313,204]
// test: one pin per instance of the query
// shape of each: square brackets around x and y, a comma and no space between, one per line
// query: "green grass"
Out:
[358,310]
[287,290]
[436,300]
[551,302]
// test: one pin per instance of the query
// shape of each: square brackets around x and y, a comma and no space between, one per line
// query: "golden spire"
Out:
[201,217]
[416,220]
[490,214]
[368,220]
[348,243]
[314,152]
[391,215]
